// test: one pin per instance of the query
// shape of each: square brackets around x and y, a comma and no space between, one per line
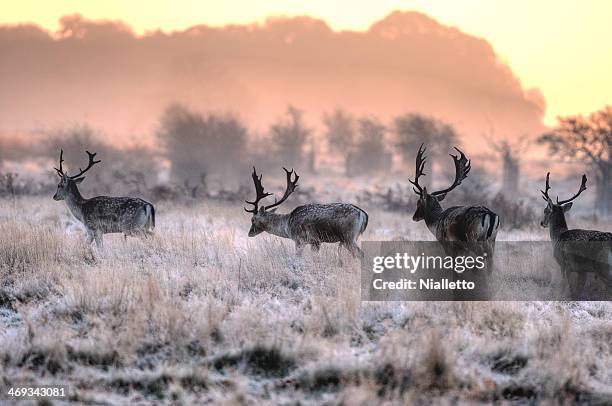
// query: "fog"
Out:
[101,73]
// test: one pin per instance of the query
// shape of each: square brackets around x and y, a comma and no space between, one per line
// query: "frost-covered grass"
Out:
[201,313]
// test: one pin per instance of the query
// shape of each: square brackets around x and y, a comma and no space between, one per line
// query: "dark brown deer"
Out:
[576,251]
[310,223]
[102,214]
[476,225]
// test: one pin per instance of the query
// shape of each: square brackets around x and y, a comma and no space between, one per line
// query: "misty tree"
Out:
[340,135]
[198,145]
[8,183]
[289,137]
[587,140]
[510,152]
[15,149]
[370,154]
[413,129]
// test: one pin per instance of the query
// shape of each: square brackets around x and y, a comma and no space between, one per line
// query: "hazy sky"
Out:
[560,47]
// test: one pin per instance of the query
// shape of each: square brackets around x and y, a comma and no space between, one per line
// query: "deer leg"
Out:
[144,234]
[579,288]
[90,237]
[299,248]
[355,250]
[340,255]
[359,252]
[565,274]
[98,239]
[315,246]
[604,271]
[490,261]
[605,277]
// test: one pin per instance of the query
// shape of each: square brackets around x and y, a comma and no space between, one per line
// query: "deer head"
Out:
[260,221]
[67,183]
[429,202]
[554,210]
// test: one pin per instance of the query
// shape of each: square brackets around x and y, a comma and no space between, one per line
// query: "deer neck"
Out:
[432,217]
[75,201]
[278,224]
[558,225]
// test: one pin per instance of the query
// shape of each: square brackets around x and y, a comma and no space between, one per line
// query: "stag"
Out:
[475,225]
[576,251]
[307,224]
[102,214]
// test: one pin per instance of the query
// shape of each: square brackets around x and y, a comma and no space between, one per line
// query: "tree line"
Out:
[198,143]
[195,145]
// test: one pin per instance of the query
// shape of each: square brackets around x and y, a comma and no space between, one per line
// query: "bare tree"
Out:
[587,140]
[198,144]
[7,183]
[340,135]
[412,130]
[510,152]
[370,153]
[15,148]
[289,138]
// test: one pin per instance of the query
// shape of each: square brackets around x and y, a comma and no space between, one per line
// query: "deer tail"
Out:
[364,219]
[493,223]
[150,212]
[365,223]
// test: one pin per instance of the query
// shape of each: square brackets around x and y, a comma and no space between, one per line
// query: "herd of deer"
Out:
[343,223]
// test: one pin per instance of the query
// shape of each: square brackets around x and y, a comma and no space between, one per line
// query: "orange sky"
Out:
[560,47]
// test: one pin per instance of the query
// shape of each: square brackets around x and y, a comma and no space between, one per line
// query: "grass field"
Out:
[202,314]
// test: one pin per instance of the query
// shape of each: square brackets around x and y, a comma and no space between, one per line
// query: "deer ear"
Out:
[273,210]
[567,207]
[441,197]
[79,180]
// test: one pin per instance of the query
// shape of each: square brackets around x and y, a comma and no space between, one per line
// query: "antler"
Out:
[420,166]
[91,163]
[582,189]
[259,190]
[546,188]
[60,171]
[291,185]
[462,168]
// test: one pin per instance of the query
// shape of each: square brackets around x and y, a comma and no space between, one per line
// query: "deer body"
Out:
[319,223]
[463,223]
[102,214]
[310,223]
[576,250]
